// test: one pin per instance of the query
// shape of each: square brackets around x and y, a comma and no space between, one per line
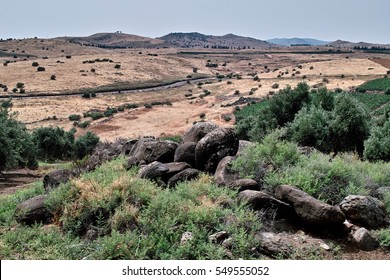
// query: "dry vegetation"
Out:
[143,66]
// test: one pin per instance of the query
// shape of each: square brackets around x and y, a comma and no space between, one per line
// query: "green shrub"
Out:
[54,143]
[20,85]
[117,66]
[377,146]
[35,64]
[53,77]
[84,124]
[387,91]
[41,69]
[74,117]
[85,145]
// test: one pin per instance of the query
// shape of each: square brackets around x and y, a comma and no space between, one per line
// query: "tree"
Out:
[85,145]
[16,145]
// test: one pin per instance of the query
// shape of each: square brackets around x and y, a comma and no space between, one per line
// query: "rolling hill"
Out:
[228,41]
[297,41]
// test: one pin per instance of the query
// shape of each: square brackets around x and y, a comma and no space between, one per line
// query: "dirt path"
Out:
[11,181]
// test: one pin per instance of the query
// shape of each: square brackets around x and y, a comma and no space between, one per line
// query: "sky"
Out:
[327,20]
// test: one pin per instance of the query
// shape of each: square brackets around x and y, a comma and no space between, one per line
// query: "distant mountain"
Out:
[351,45]
[198,40]
[116,40]
[297,41]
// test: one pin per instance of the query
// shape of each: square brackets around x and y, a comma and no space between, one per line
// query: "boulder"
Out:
[225,175]
[33,211]
[382,192]
[212,148]
[274,245]
[198,131]
[245,184]
[309,210]
[185,152]
[242,145]
[153,171]
[149,150]
[54,178]
[365,210]
[185,175]
[365,240]
[259,200]
[174,168]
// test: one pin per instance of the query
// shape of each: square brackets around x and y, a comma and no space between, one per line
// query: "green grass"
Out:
[134,218]
[372,101]
[250,110]
[376,85]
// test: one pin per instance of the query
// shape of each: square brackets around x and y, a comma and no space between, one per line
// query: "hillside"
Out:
[347,44]
[297,41]
[228,41]
[116,40]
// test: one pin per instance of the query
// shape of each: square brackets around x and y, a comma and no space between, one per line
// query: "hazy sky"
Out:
[327,19]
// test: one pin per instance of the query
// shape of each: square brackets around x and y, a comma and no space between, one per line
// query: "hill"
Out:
[297,41]
[347,44]
[116,40]
[228,41]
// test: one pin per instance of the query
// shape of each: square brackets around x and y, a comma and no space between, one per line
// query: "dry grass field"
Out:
[151,66]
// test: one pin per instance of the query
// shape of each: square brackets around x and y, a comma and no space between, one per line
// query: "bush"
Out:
[53,77]
[86,95]
[117,66]
[275,86]
[54,143]
[20,85]
[377,146]
[41,69]
[202,115]
[16,148]
[84,124]
[387,91]
[74,117]
[35,64]
[85,145]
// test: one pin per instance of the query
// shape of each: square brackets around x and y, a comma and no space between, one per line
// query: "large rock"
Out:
[243,144]
[54,178]
[198,131]
[364,210]
[309,210]
[149,150]
[365,240]
[245,184]
[174,168]
[225,175]
[186,153]
[186,175]
[153,171]
[33,211]
[212,148]
[259,200]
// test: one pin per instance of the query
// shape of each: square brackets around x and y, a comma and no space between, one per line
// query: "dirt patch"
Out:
[11,181]
[385,62]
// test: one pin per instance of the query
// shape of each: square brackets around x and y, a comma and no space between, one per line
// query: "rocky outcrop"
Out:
[245,184]
[212,148]
[186,175]
[365,210]
[198,131]
[54,178]
[224,174]
[242,145]
[153,171]
[309,210]
[185,152]
[33,211]
[174,168]
[149,150]
[259,200]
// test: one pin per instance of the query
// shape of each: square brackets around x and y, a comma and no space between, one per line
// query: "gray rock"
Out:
[174,168]
[153,171]
[382,192]
[309,210]
[148,150]
[186,237]
[33,211]
[225,175]
[228,243]
[365,240]
[365,210]
[245,184]
[91,235]
[259,200]
[218,237]
[54,178]
[198,131]
[212,148]
[274,245]
[186,175]
[242,145]
[186,153]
